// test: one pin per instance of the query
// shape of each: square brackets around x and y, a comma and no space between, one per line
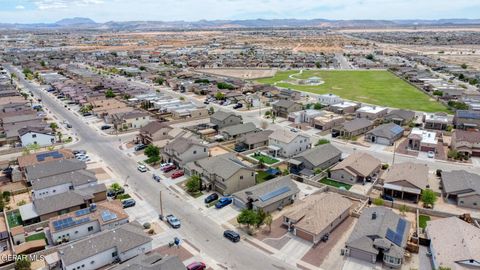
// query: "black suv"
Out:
[231,235]
[114,193]
[212,197]
[139,147]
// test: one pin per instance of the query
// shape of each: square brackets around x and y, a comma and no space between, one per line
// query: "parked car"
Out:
[223,202]
[114,193]
[163,165]
[105,127]
[128,203]
[294,130]
[240,148]
[173,221]
[84,158]
[69,125]
[142,168]
[431,154]
[211,198]
[139,147]
[387,197]
[238,106]
[156,178]
[75,152]
[177,174]
[196,266]
[87,114]
[169,168]
[231,235]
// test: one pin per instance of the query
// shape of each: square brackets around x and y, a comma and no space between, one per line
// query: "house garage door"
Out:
[476,154]
[362,255]
[238,203]
[304,235]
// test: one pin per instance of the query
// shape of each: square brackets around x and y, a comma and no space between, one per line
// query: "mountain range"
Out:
[86,23]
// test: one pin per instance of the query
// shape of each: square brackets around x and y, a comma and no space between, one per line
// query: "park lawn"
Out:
[422,220]
[14,219]
[265,159]
[334,183]
[378,87]
[37,236]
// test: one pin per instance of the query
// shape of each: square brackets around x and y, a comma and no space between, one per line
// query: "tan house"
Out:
[405,180]
[317,216]
[154,131]
[181,150]
[130,120]
[466,142]
[327,121]
[358,167]
[283,108]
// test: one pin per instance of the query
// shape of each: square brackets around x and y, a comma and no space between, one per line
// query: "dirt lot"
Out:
[216,151]
[241,73]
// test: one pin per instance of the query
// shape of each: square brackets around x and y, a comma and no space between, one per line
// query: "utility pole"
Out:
[126,179]
[161,205]
[394,148]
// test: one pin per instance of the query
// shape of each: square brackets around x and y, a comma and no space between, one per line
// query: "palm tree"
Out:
[268,221]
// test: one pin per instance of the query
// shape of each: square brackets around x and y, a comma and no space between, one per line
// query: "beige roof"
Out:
[359,163]
[454,240]
[32,159]
[283,135]
[414,173]
[318,211]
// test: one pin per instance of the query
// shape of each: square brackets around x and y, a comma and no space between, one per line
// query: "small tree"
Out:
[23,263]
[464,66]
[193,184]
[219,96]
[59,135]
[152,151]
[211,110]
[247,217]
[53,126]
[317,106]
[109,94]
[429,197]
[268,221]
[378,201]
[115,187]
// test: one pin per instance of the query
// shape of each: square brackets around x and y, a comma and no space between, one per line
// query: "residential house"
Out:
[268,196]
[223,173]
[358,167]
[379,233]
[130,120]
[400,117]
[44,157]
[385,134]
[153,132]
[317,216]
[287,143]
[40,136]
[283,108]
[344,107]
[55,184]
[85,222]
[181,150]
[304,116]
[463,187]
[371,112]
[287,94]
[466,142]
[152,261]
[223,119]
[105,248]
[405,180]
[316,158]
[353,128]
[329,99]
[438,121]
[327,121]
[454,244]
[235,131]
[52,168]
[464,119]
[253,140]
[422,140]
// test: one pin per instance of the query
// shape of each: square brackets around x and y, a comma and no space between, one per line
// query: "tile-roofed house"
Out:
[154,131]
[253,140]
[385,134]
[466,119]
[462,186]
[232,132]
[352,128]
[106,247]
[283,107]
[317,216]
[223,119]
[320,157]
[287,143]
[223,173]
[400,117]
[54,184]
[379,230]
[152,261]
[53,168]
[466,142]
[454,244]
[268,196]
[182,150]
[405,180]
[358,167]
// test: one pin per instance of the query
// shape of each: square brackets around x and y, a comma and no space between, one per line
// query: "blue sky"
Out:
[32,11]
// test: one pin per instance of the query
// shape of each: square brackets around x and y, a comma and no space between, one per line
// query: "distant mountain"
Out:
[75,21]
[86,23]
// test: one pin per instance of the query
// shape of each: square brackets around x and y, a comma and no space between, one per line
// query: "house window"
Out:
[34,135]
[241,177]
[461,202]
[92,262]
[253,174]
[90,228]
[195,152]
[76,232]
[204,149]
[114,254]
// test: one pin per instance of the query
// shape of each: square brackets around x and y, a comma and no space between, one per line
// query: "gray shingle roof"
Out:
[223,165]
[53,168]
[123,238]
[77,178]
[256,137]
[460,181]
[403,114]
[320,154]
[414,173]
[221,115]
[58,202]
[284,103]
[239,129]
[152,261]
[356,124]
[180,145]
[389,130]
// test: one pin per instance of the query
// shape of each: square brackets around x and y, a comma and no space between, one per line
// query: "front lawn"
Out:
[378,87]
[263,176]
[334,183]
[123,196]
[33,237]
[265,159]
[422,220]
[14,219]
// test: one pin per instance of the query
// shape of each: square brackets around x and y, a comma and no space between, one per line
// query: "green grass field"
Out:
[34,237]
[334,183]
[14,219]
[378,87]
[265,159]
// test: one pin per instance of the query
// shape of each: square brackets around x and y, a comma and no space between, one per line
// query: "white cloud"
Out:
[57,4]
[19,7]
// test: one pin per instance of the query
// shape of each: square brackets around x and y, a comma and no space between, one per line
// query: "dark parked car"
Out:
[231,235]
[69,125]
[128,203]
[196,266]
[223,202]
[105,127]
[238,106]
[76,152]
[387,197]
[139,147]
[114,193]
[87,114]
[211,198]
[169,168]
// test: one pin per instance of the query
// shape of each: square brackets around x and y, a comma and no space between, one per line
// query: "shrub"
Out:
[385,166]
[378,201]
[193,184]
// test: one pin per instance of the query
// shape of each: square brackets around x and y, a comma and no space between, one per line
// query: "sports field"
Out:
[377,87]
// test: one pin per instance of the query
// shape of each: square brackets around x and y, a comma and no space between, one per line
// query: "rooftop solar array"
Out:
[53,154]
[82,212]
[396,129]
[275,193]
[107,216]
[68,222]
[468,114]
[397,236]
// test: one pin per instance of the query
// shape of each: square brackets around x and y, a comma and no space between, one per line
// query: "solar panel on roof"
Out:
[107,216]
[401,225]
[275,193]
[390,235]
[396,129]
[82,212]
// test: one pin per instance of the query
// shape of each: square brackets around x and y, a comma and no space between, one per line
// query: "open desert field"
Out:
[377,87]
[240,73]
